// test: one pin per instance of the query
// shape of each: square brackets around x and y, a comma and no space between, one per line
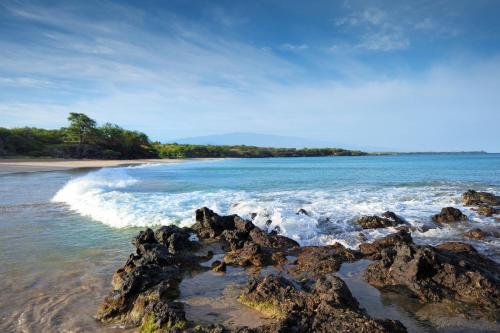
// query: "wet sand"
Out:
[212,298]
[8,166]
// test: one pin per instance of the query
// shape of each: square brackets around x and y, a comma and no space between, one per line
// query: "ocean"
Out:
[63,233]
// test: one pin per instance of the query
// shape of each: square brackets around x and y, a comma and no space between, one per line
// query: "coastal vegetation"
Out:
[84,139]
[81,139]
[174,150]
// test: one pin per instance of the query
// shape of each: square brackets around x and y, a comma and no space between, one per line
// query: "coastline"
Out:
[64,269]
[9,166]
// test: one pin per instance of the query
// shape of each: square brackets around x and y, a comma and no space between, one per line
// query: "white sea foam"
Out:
[106,196]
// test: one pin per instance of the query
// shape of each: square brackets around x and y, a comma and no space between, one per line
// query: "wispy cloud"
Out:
[294,47]
[182,78]
[390,28]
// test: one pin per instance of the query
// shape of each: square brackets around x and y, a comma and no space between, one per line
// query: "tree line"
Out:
[174,150]
[84,139]
[81,139]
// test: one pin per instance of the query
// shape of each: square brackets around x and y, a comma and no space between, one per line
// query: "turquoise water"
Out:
[70,230]
[333,190]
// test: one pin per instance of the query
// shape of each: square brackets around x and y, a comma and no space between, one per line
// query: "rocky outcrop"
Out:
[144,289]
[373,250]
[317,260]
[452,271]
[449,215]
[388,219]
[474,198]
[246,245]
[320,305]
[211,225]
[486,204]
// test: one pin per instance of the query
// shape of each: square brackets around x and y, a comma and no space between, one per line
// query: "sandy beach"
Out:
[8,166]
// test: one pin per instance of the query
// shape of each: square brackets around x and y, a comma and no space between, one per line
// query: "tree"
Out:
[82,129]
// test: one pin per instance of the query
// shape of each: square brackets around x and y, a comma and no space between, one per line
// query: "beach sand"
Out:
[34,165]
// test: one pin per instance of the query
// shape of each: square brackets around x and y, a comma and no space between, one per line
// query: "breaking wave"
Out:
[114,197]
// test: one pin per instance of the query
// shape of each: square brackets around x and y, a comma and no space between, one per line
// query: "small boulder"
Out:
[315,260]
[449,215]
[388,219]
[210,225]
[487,211]
[218,266]
[474,198]
[302,211]
[475,233]
[372,250]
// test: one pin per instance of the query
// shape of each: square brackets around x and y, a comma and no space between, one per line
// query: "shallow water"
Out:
[63,233]
[416,317]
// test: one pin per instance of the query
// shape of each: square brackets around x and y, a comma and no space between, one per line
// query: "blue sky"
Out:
[401,75]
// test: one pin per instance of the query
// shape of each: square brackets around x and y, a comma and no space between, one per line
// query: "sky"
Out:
[400,75]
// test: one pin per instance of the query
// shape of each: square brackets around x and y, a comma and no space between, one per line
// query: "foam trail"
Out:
[98,196]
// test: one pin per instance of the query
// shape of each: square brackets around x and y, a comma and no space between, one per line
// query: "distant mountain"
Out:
[267,140]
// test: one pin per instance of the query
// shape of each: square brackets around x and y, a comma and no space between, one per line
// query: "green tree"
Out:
[82,129]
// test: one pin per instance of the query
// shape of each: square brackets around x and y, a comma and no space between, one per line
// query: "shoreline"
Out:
[21,165]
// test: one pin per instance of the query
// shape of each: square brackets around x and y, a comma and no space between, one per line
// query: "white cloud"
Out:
[294,47]
[184,81]
[371,16]
[384,42]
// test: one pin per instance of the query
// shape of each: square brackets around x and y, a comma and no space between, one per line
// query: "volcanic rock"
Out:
[321,305]
[474,198]
[450,271]
[449,215]
[475,233]
[314,260]
[388,219]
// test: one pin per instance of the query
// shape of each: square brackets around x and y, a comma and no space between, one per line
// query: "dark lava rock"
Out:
[161,315]
[388,219]
[272,239]
[211,225]
[475,233]
[448,215]
[176,239]
[218,266]
[450,271]
[321,305]
[473,198]
[236,231]
[251,254]
[246,244]
[302,211]
[314,260]
[457,247]
[151,276]
[487,210]
[372,250]
[243,225]
[234,239]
